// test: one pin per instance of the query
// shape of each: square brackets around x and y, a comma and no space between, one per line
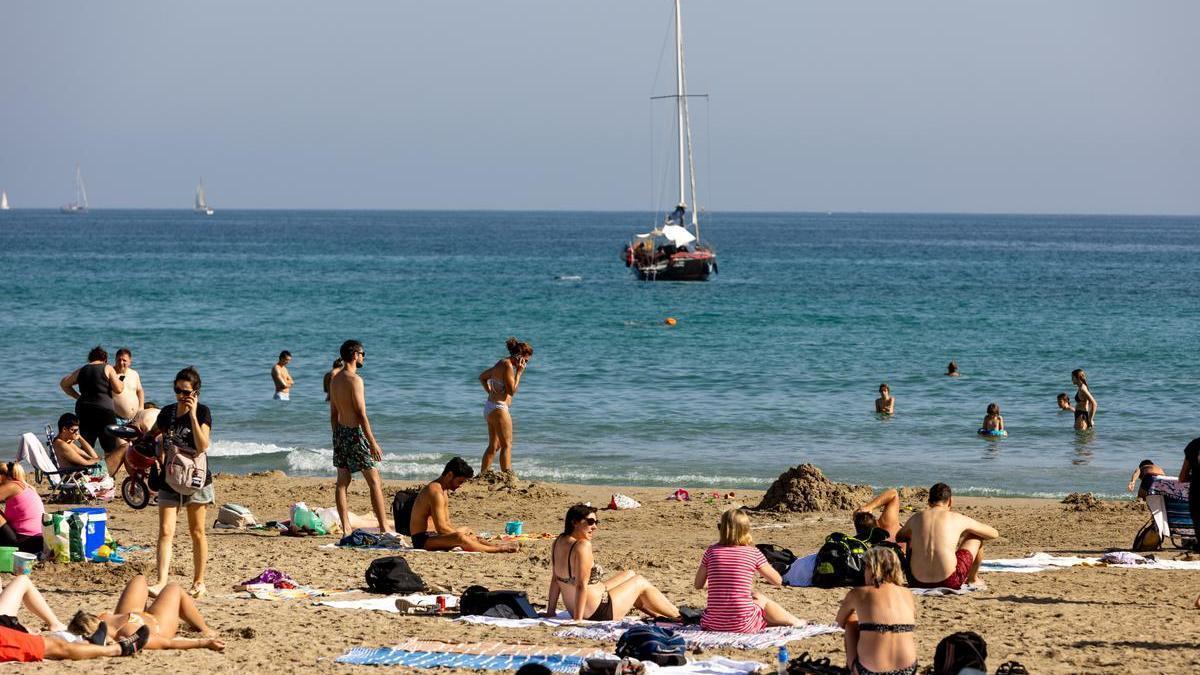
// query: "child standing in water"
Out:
[886,403]
[993,423]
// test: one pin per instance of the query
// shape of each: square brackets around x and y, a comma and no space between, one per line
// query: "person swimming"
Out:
[1064,402]
[886,403]
[993,423]
[952,369]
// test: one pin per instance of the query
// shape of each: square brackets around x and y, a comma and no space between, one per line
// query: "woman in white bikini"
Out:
[161,617]
[501,382]
[575,577]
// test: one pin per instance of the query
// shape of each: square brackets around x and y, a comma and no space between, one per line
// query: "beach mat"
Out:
[936,592]
[470,656]
[388,603]
[1040,562]
[777,636]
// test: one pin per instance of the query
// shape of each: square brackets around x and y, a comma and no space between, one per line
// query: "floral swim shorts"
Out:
[351,450]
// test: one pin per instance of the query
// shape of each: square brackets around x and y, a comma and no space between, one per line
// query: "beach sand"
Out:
[1093,620]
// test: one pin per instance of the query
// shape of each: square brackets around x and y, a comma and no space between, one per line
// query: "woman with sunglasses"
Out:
[184,423]
[501,382]
[21,522]
[575,577]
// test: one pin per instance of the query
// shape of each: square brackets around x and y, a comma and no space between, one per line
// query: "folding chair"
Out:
[65,486]
[1167,500]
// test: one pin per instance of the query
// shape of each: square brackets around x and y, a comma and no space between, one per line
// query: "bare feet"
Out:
[154,590]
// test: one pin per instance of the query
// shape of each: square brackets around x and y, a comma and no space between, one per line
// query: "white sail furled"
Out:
[3,201]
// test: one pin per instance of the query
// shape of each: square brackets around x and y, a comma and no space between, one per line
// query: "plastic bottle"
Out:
[781,668]
[75,523]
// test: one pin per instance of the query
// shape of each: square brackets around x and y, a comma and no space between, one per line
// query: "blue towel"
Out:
[386,656]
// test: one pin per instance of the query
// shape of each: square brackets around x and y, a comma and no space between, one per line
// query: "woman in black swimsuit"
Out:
[1085,403]
[585,595]
[879,619]
[97,383]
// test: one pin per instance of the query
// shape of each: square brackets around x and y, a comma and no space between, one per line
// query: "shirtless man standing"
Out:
[430,522]
[126,405]
[354,444]
[944,547]
[283,379]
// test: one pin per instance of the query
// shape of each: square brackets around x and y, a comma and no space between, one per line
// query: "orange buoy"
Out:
[670,321]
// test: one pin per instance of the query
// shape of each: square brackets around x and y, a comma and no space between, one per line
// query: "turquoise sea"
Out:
[774,362]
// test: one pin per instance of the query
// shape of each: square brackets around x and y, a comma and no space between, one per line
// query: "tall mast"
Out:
[679,102]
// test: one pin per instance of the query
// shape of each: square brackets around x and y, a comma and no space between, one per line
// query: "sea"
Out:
[772,363]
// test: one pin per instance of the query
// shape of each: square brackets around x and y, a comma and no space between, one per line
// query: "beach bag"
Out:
[1147,538]
[960,650]
[479,601]
[653,643]
[234,516]
[402,506]
[840,562]
[56,538]
[303,518]
[780,558]
[393,575]
[185,470]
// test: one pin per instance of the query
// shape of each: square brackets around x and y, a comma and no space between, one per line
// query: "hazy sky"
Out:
[1088,106]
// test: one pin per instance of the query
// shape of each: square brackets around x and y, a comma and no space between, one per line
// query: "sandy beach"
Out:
[1094,620]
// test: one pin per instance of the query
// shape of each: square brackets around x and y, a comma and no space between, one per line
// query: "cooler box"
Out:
[95,528]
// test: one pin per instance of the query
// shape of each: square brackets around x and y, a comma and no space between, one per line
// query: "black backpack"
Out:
[393,575]
[960,650]
[653,643]
[479,601]
[840,562]
[780,558]
[402,506]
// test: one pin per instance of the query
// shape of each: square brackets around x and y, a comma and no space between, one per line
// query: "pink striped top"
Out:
[731,607]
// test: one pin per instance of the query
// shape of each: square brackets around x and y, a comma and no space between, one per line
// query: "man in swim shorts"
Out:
[430,522]
[944,547]
[282,378]
[354,446]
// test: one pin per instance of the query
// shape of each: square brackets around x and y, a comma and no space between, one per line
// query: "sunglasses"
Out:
[182,392]
[591,521]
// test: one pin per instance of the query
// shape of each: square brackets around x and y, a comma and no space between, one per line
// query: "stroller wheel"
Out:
[135,492]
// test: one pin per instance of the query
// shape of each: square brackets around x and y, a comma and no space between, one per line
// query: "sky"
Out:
[1020,106]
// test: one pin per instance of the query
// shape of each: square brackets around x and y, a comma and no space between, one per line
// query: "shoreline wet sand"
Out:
[1095,620]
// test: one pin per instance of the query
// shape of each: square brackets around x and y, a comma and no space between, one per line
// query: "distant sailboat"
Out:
[202,203]
[3,201]
[80,205]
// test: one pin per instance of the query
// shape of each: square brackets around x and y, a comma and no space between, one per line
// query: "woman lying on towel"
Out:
[879,619]
[728,569]
[161,617]
[575,577]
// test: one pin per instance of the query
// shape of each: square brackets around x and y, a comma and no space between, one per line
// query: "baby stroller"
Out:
[140,461]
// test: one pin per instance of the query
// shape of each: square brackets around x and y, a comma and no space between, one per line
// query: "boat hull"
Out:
[679,267]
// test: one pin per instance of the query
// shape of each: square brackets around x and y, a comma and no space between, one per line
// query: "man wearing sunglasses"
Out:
[354,444]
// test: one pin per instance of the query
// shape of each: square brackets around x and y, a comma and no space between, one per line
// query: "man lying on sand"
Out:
[430,523]
[888,520]
[944,547]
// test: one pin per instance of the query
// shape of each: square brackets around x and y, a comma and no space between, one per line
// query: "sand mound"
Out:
[804,489]
[508,483]
[1083,501]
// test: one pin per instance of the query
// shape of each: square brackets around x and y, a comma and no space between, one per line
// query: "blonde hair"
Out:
[83,624]
[13,471]
[735,528]
[884,566]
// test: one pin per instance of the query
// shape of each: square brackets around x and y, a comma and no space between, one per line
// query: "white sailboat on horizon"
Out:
[3,200]
[201,205]
[80,205]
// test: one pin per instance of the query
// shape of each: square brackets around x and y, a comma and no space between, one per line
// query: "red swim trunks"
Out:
[962,567]
[22,647]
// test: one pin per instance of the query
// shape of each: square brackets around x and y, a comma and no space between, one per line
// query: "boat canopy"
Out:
[680,236]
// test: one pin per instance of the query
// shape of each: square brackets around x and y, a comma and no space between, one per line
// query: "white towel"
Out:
[562,618]
[1040,562]
[934,592]
[716,665]
[388,603]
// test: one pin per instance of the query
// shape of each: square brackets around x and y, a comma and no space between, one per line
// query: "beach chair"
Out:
[65,486]
[1167,500]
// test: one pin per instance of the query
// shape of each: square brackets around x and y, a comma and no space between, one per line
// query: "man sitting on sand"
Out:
[430,523]
[944,547]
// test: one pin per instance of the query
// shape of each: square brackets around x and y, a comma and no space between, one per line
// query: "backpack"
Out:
[840,562]
[479,601]
[653,643]
[960,650]
[402,506]
[780,558]
[185,470]
[393,575]
[1147,538]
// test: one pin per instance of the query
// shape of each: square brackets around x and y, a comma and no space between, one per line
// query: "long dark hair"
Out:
[574,515]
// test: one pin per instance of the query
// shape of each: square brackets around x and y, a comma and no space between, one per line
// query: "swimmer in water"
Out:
[952,370]
[886,403]
[1064,402]
[992,421]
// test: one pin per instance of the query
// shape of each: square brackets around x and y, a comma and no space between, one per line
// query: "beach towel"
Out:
[716,665]
[935,592]
[267,592]
[472,656]
[562,618]
[388,603]
[777,636]
[1040,562]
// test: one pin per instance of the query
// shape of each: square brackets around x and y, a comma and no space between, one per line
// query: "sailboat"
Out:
[80,205]
[3,200]
[202,203]
[672,251]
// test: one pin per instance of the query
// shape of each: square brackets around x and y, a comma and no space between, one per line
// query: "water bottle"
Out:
[781,668]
